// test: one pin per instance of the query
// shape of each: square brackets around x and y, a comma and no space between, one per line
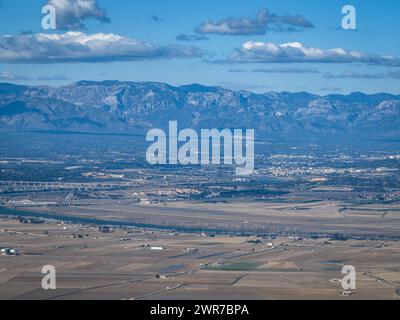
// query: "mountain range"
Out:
[134,107]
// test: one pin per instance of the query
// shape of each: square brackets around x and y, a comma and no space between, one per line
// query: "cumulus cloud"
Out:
[71,14]
[191,37]
[81,47]
[296,52]
[263,22]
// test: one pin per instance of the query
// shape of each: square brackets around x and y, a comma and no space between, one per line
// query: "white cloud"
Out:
[70,14]
[296,52]
[259,25]
[82,47]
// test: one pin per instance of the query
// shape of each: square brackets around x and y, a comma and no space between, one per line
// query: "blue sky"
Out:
[144,44]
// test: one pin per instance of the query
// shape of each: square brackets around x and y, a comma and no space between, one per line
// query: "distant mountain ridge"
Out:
[134,107]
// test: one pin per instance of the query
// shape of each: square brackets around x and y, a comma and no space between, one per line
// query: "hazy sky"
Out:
[285,45]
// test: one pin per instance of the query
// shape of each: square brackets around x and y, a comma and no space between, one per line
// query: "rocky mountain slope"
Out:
[134,107]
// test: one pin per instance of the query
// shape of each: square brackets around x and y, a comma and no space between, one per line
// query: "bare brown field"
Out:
[122,265]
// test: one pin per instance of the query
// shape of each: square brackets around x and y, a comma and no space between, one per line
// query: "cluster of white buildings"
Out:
[102,175]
